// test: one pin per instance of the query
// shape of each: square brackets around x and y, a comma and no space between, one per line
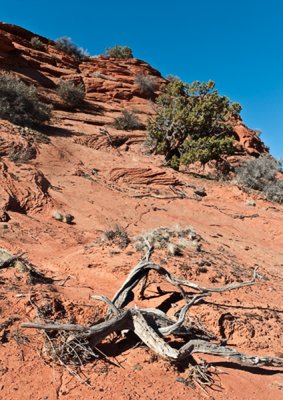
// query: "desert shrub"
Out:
[19,103]
[37,43]
[66,45]
[146,84]
[119,52]
[258,132]
[117,235]
[274,191]
[258,173]
[128,120]
[72,94]
[171,78]
[174,239]
[193,123]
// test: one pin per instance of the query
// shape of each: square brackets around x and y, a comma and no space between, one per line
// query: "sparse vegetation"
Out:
[193,123]
[127,121]
[258,132]
[174,239]
[66,45]
[257,173]
[19,103]
[146,84]
[117,235]
[119,52]
[37,43]
[72,94]
[274,191]
[260,174]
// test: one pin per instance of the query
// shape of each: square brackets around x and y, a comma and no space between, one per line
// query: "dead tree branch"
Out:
[152,325]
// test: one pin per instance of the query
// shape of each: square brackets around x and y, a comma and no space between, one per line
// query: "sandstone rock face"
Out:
[142,176]
[22,190]
[109,86]
[109,83]
[249,141]
[6,45]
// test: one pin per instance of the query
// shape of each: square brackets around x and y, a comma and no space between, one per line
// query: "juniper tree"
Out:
[193,123]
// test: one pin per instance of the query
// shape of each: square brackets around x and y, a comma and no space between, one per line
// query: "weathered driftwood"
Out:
[124,295]
[135,320]
[55,327]
[153,325]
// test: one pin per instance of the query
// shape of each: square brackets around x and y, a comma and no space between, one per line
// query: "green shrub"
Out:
[206,148]
[66,45]
[127,121]
[119,52]
[193,123]
[146,85]
[19,103]
[71,94]
[36,43]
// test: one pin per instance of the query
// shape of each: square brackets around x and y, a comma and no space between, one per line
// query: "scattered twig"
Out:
[105,132]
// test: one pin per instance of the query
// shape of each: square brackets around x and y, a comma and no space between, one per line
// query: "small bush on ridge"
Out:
[19,103]
[36,43]
[119,52]
[146,84]
[127,121]
[72,94]
[66,45]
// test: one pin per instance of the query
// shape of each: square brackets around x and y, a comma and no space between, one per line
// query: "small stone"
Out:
[200,192]
[58,216]
[251,203]
[4,217]
[68,218]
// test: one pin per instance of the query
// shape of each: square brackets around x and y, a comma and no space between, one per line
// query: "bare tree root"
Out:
[124,295]
[152,325]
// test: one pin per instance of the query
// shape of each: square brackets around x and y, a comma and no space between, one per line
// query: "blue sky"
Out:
[236,43]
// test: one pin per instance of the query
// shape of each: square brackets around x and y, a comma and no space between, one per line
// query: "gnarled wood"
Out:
[151,325]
